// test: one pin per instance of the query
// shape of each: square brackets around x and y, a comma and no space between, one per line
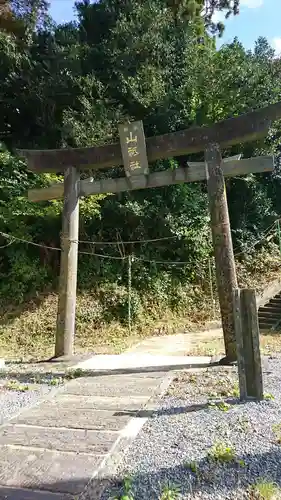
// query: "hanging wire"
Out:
[13,239]
[263,235]
[8,244]
[21,240]
[165,238]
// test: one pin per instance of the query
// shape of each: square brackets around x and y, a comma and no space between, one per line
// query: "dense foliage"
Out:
[70,85]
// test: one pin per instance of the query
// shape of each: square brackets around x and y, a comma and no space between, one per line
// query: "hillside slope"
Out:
[28,331]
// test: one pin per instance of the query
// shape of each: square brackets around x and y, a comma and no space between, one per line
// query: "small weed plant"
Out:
[192,466]
[14,385]
[54,381]
[127,493]
[170,492]
[222,453]
[71,374]
[243,424]
[276,429]
[222,406]
[268,396]
[265,490]
[235,391]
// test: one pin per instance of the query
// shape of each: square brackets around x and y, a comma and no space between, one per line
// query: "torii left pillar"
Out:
[68,265]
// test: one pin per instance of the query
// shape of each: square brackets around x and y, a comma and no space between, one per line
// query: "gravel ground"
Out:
[13,401]
[23,391]
[207,445]
[24,384]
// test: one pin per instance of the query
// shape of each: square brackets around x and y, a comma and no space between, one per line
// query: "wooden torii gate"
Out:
[134,152]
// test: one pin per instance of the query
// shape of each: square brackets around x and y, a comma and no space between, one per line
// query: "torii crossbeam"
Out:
[241,129]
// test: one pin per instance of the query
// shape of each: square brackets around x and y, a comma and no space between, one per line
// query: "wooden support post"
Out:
[68,267]
[248,347]
[222,242]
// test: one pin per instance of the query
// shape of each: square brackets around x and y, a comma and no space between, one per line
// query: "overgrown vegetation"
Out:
[70,85]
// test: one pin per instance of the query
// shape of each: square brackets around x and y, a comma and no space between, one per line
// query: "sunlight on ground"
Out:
[269,343]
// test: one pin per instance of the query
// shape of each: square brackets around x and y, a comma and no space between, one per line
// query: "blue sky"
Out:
[256,18]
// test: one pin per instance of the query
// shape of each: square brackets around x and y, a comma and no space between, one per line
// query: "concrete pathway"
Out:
[68,446]
[176,345]
[136,362]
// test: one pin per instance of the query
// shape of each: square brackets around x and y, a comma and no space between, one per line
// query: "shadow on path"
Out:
[175,410]
[211,478]
[29,376]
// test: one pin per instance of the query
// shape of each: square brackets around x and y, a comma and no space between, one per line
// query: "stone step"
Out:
[276,302]
[270,313]
[265,327]
[270,309]
[269,321]
[270,316]
[272,320]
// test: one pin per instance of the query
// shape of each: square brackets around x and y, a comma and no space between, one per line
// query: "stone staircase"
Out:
[270,313]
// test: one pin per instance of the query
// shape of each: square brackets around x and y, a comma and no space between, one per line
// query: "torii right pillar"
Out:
[223,248]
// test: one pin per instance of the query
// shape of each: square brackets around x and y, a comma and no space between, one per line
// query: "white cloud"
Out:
[276,44]
[251,4]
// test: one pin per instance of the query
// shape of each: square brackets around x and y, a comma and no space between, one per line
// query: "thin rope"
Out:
[143,259]
[173,263]
[102,255]
[15,238]
[87,242]
[264,234]
[8,244]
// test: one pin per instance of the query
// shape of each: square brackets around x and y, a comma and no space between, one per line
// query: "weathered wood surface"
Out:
[244,128]
[251,334]
[68,267]
[248,345]
[239,344]
[133,147]
[194,172]
[222,243]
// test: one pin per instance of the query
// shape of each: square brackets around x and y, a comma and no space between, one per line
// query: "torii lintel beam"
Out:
[240,129]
